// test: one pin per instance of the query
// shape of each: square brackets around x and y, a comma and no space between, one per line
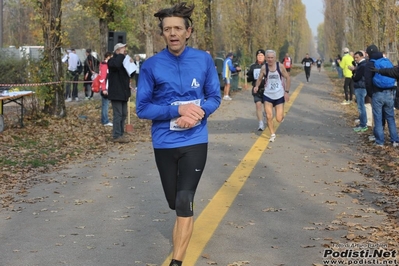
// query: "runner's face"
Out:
[175,34]
[270,58]
[260,58]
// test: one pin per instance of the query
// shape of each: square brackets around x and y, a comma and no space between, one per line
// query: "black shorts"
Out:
[274,102]
[180,170]
[258,97]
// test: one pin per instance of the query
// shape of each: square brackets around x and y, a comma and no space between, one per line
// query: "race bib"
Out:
[307,64]
[256,73]
[173,124]
[273,86]
[287,64]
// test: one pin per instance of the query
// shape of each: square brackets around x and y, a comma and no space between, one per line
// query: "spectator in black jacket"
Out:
[118,92]
[91,67]
[359,85]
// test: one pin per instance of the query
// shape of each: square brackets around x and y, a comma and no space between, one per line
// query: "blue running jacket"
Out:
[165,82]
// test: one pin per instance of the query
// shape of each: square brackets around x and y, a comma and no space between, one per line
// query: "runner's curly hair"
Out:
[178,10]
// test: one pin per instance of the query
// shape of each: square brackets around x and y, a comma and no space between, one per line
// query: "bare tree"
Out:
[50,14]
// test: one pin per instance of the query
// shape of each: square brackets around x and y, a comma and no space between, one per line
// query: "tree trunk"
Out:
[51,22]
[149,45]
[208,28]
[105,19]
[103,39]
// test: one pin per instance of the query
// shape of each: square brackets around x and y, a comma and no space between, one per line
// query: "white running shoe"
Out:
[227,98]
[272,138]
[68,100]
[261,126]
[108,124]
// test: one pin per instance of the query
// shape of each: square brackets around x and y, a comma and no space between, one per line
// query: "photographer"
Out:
[228,68]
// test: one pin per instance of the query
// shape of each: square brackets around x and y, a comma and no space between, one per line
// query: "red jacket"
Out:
[103,76]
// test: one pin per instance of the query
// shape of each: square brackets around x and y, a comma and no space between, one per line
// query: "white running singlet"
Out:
[274,88]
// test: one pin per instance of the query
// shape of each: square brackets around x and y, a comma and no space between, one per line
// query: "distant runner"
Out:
[307,63]
[287,62]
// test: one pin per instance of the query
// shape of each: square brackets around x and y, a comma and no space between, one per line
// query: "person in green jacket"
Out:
[345,63]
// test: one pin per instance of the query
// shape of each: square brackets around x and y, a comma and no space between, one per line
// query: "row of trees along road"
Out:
[358,23]
[241,26]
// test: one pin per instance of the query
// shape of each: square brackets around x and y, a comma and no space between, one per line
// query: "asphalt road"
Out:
[258,203]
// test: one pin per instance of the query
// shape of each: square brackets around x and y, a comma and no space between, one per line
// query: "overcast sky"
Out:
[314,13]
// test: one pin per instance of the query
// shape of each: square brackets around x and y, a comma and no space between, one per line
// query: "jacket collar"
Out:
[186,48]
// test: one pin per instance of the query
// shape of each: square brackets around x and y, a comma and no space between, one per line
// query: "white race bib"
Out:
[173,124]
[256,73]
[307,64]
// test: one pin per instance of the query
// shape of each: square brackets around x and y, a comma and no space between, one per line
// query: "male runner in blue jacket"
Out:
[179,88]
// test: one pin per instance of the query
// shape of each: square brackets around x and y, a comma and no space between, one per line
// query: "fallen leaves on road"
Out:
[380,166]
[48,143]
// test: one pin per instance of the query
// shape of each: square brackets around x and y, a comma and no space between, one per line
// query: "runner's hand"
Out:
[191,111]
[186,122]
[286,97]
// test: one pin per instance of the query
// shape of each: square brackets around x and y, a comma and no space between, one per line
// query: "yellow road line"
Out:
[210,218]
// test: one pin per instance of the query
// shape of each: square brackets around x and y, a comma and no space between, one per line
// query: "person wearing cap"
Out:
[287,62]
[179,89]
[252,76]
[382,99]
[345,64]
[118,92]
[228,68]
[307,63]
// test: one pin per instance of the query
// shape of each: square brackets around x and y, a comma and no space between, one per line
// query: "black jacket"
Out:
[390,72]
[251,78]
[118,79]
[250,73]
[358,77]
[90,64]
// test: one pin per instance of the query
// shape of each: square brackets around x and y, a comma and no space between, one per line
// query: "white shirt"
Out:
[72,61]
[138,67]
[274,88]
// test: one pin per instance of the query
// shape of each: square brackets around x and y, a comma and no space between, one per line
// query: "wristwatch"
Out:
[287,91]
